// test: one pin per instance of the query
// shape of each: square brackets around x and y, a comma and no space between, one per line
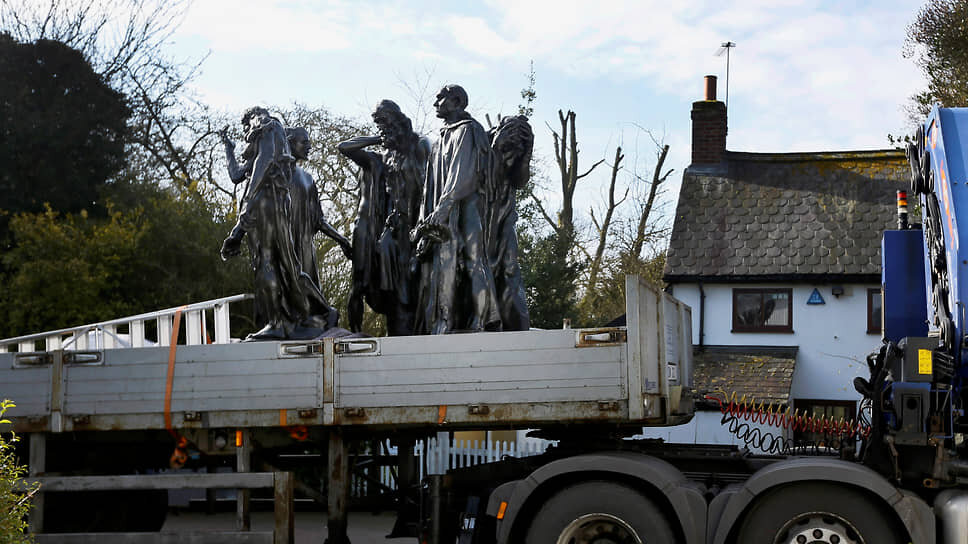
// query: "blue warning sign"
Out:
[815,298]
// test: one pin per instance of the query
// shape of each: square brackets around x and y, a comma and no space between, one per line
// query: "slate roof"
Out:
[763,373]
[786,216]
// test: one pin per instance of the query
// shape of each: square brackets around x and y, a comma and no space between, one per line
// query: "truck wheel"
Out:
[600,512]
[818,513]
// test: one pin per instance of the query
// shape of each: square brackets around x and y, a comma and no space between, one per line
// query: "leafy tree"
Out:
[177,248]
[550,278]
[157,248]
[937,40]
[62,131]
[14,502]
[65,269]
[170,134]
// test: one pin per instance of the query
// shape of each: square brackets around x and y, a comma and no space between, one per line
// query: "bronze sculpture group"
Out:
[433,248]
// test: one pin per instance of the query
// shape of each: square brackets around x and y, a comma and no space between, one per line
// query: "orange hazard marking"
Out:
[441,414]
[169,381]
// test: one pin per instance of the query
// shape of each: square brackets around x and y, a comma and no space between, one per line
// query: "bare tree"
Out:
[125,42]
[566,157]
[644,228]
[603,228]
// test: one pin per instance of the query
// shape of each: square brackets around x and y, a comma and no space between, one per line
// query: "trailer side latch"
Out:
[29,359]
[478,409]
[608,405]
[354,412]
[601,337]
[302,349]
[83,358]
[358,347]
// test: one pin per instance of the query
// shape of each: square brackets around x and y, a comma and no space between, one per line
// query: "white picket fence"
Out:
[130,332]
[437,457]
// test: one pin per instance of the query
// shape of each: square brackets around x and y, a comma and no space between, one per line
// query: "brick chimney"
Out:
[709,127]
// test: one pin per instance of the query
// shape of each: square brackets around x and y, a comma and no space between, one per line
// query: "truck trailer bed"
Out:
[624,375]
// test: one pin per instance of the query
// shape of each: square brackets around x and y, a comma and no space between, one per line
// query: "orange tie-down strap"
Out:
[297,432]
[179,457]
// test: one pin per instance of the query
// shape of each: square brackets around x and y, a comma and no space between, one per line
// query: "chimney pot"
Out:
[710,87]
[709,127]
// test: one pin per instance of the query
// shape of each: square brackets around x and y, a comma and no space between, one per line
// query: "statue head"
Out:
[394,126]
[513,138]
[299,142]
[253,117]
[451,100]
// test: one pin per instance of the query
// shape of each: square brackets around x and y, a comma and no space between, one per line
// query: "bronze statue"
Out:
[456,291]
[284,293]
[512,141]
[307,220]
[390,191]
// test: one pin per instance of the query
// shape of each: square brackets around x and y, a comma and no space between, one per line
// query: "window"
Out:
[762,310]
[873,311]
[830,409]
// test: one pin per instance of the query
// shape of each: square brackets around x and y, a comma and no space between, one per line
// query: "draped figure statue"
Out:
[390,185]
[512,142]
[456,291]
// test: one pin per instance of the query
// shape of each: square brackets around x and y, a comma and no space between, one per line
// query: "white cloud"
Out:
[260,25]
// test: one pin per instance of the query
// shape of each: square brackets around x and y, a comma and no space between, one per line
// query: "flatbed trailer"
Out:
[111,412]
[528,378]
[90,391]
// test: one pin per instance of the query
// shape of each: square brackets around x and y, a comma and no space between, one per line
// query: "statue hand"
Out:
[422,250]
[393,221]
[231,247]
[223,134]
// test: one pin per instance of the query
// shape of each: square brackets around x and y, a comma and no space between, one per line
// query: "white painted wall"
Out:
[707,428]
[832,340]
[832,337]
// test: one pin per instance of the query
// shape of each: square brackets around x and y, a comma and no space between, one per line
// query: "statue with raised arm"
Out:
[456,291]
[390,192]
[307,220]
[283,292]
[512,142]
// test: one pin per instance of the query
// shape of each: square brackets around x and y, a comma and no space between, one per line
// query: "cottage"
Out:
[779,256]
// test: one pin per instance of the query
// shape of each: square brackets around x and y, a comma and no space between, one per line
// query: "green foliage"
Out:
[14,503]
[157,248]
[606,301]
[65,269]
[528,95]
[937,40]
[550,278]
[62,128]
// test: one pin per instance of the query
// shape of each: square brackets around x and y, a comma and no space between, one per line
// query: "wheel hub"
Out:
[818,528]
[599,529]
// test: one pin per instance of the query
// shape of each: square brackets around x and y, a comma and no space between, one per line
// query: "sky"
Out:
[804,75]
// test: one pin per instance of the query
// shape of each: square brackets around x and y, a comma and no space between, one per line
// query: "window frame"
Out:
[788,328]
[874,327]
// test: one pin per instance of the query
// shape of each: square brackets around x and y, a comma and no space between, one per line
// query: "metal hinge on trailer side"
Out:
[611,336]
[356,346]
[41,358]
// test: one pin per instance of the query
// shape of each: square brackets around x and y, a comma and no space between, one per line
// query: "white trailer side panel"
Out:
[511,367]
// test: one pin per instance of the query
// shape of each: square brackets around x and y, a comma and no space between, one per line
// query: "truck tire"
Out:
[819,512]
[599,511]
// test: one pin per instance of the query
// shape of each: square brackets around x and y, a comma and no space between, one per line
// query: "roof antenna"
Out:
[724,48]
